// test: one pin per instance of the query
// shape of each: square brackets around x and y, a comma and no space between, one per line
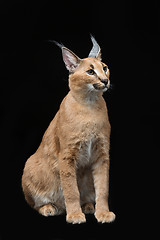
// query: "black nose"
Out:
[105,81]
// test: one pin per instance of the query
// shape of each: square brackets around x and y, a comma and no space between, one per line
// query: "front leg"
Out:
[101,183]
[70,188]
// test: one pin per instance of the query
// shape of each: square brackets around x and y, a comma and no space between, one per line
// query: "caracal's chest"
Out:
[86,153]
[90,138]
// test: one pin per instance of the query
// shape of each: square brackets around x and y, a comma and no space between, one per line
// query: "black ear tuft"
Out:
[70,59]
[60,45]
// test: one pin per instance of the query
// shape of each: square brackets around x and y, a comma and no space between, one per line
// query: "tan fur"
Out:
[70,170]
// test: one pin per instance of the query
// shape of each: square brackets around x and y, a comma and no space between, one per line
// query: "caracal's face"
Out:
[91,75]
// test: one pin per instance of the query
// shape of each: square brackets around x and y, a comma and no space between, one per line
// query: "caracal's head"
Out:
[89,74]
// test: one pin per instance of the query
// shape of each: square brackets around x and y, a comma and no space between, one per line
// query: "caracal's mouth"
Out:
[100,87]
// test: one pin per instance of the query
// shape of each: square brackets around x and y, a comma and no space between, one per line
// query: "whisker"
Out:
[112,86]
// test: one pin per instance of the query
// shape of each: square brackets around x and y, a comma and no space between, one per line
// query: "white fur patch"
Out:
[89,148]
[90,87]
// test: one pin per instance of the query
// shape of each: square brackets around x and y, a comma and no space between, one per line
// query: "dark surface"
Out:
[34,82]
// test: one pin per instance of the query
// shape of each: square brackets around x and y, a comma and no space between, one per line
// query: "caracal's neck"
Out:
[86,98]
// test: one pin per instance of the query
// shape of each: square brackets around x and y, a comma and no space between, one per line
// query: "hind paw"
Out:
[88,208]
[48,210]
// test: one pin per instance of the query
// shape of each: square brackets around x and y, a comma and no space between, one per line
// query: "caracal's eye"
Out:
[105,69]
[91,72]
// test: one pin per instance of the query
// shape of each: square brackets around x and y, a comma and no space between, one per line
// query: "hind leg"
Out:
[46,205]
[49,206]
[42,191]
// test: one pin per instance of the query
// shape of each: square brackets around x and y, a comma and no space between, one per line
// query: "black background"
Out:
[34,82]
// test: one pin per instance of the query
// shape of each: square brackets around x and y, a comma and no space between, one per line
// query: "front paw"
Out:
[74,218]
[105,216]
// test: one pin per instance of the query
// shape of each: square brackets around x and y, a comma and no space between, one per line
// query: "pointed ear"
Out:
[99,55]
[70,59]
[96,50]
